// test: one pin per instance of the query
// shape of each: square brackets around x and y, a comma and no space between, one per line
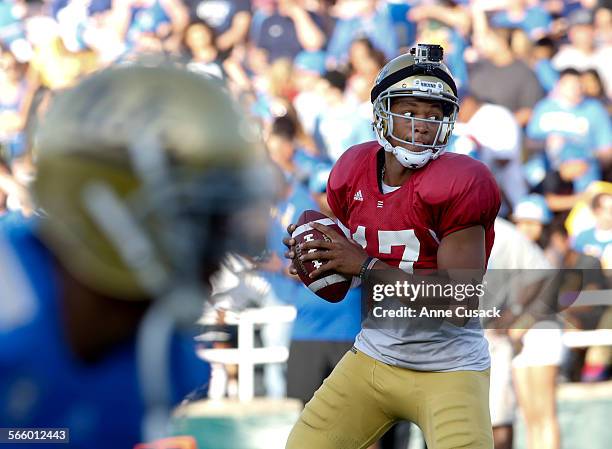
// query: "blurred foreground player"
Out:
[409,206]
[144,188]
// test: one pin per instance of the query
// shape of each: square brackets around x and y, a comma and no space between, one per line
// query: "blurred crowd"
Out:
[535,80]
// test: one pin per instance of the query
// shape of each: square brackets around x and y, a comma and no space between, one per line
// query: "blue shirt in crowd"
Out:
[586,125]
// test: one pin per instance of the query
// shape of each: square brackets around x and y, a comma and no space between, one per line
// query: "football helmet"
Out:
[419,74]
[148,176]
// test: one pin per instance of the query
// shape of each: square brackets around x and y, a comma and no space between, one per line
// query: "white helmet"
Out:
[418,74]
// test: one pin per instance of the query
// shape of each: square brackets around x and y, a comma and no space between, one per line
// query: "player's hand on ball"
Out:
[289,242]
[341,254]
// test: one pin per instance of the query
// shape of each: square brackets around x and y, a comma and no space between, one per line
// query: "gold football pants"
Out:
[363,397]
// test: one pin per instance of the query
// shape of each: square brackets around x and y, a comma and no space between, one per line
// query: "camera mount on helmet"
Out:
[427,53]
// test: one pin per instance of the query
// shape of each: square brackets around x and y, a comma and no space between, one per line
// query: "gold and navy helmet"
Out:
[146,174]
[419,74]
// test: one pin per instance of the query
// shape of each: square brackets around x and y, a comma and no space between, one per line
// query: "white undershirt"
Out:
[388,189]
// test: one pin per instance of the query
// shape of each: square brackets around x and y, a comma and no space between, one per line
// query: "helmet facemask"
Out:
[412,153]
[419,75]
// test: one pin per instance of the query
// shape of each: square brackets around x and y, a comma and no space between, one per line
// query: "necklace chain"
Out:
[382,174]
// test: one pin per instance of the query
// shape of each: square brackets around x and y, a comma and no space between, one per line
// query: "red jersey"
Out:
[404,228]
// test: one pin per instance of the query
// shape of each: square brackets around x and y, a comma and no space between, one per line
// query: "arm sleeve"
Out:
[336,195]
[477,203]
[339,185]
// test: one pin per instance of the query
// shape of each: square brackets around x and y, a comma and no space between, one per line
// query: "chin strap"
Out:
[407,158]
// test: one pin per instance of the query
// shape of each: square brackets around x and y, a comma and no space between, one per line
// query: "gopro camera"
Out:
[427,53]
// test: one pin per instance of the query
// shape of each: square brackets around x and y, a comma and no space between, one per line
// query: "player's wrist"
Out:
[366,267]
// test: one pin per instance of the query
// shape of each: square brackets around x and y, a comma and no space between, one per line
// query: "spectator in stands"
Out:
[281,146]
[361,18]
[541,53]
[562,255]
[451,14]
[513,254]
[454,43]
[364,64]
[531,215]
[593,87]
[339,126]
[15,97]
[137,20]
[286,150]
[309,68]
[306,146]
[90,25]
[289,30]
[490,133]
[597,241]
[573,128]
[564,186]
[52,66]
[523,14]
[583,51]
[12,29]
[229,19]
[318,187]
[537,333]
[274,89]
[199,41]
[205,58]
[603,24]
[499,67]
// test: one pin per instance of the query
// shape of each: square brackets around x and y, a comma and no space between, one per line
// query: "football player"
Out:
[408,205]
[143,192]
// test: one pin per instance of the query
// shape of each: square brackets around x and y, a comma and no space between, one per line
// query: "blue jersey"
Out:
[44,384]
[586,125]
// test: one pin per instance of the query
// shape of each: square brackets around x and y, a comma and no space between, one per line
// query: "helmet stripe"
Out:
[416,69]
